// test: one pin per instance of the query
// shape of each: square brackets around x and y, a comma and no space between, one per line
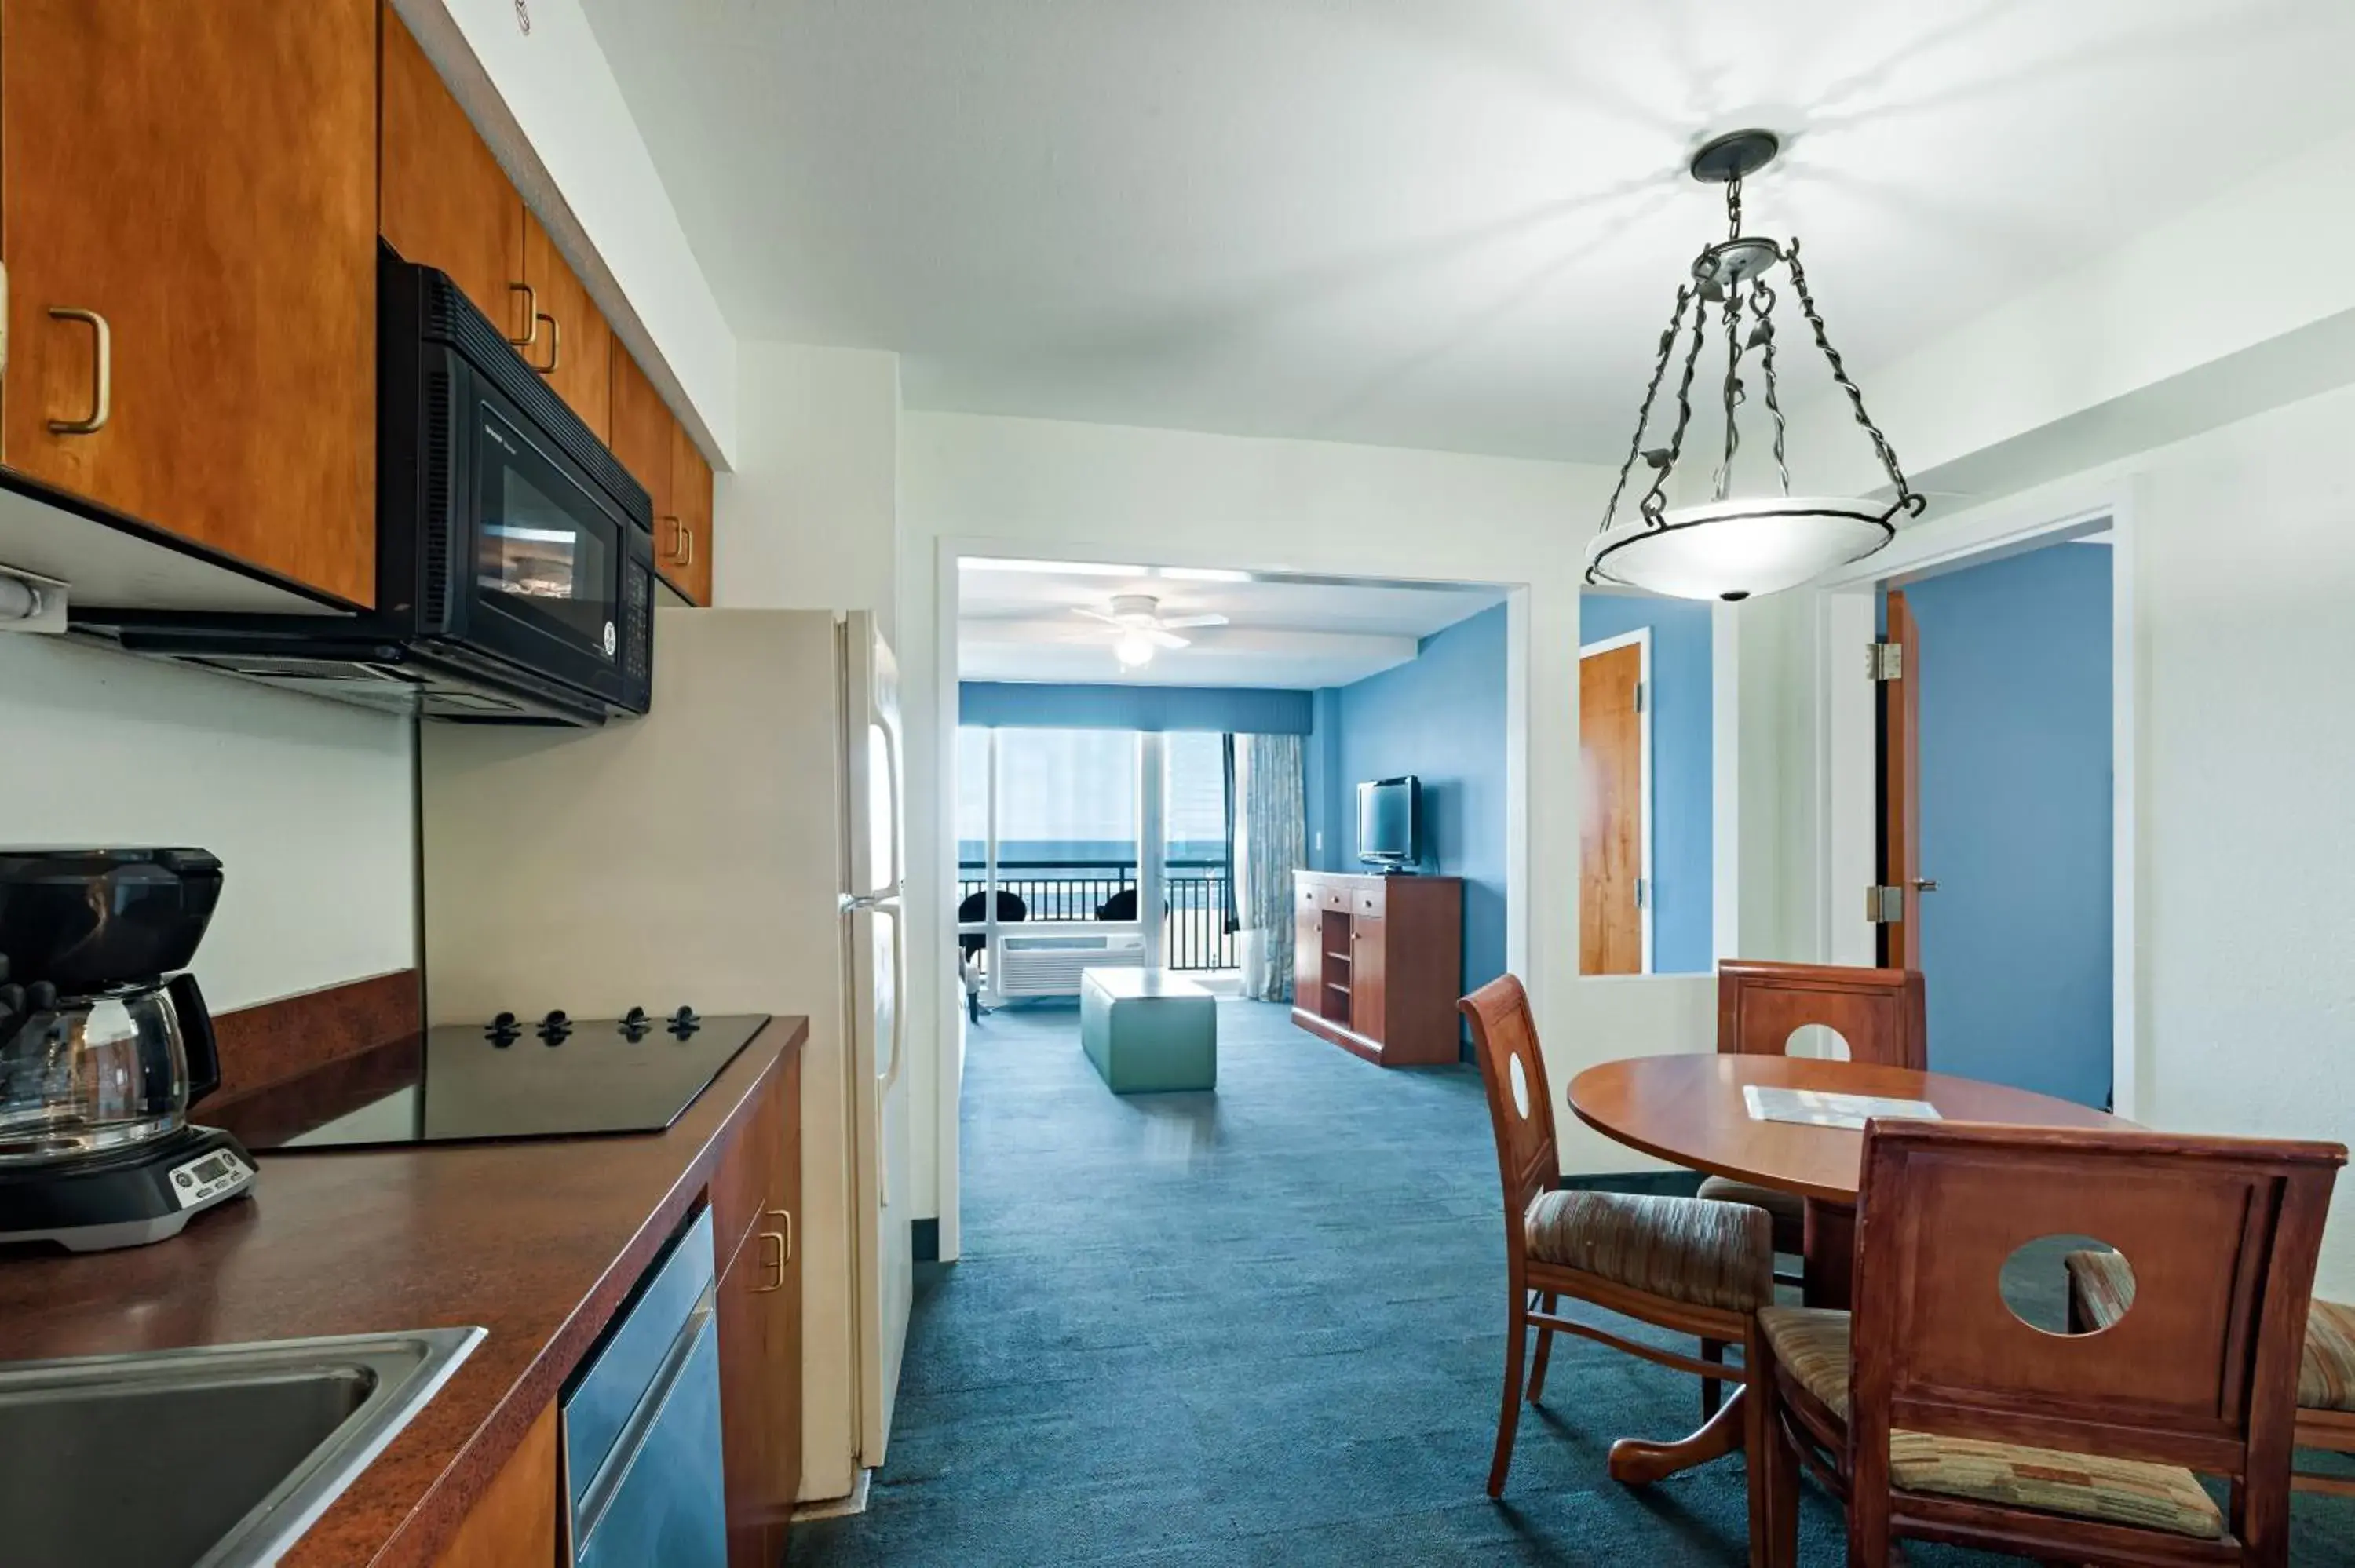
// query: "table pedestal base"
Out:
[1636,1461]
[1830,1254]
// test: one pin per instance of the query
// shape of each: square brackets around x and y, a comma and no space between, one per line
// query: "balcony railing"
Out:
[1196,937]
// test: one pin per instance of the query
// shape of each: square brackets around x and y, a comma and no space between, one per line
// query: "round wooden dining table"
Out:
[1689,1110]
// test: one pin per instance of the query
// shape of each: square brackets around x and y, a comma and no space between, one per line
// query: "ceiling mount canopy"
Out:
[1732,546]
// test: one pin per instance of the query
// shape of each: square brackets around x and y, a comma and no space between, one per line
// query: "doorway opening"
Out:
[1995,799]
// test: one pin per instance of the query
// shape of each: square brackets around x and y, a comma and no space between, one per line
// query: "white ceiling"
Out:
[1450,225]
[1291,633]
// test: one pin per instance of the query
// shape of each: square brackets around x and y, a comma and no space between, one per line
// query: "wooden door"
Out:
[1369,995]
[575,349]
[759,1311]
[690,568]
[203,178]
[1611,812]
[642,437]
[1900,794]
[445,201]
[1307,947]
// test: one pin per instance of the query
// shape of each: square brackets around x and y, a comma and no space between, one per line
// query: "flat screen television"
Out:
[1387,809]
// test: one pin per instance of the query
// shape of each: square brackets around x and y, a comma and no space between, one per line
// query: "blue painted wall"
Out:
[1330,837]
[2014,663]
[1442,718]
[1242,710]
[1683,882]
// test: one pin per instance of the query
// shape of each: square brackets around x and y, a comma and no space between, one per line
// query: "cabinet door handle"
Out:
[531,313]
[102,393]
[787,1216]
[686,542]
[670,551]
[775,1262]
[555,342]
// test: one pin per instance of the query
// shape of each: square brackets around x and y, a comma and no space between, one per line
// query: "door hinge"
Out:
[1642,893]
[1884,661]
[1639,696]
[1884,906]
[4,320]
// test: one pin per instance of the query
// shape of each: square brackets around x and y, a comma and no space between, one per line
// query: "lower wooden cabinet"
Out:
[1378,963]
[760,1331]
[514,1523]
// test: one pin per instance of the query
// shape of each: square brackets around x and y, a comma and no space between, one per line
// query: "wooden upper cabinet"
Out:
[445,201]
[574,346]
[687,563]
[641,436]
[189,203]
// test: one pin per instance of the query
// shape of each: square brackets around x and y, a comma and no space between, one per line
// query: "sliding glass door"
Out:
[1101,830]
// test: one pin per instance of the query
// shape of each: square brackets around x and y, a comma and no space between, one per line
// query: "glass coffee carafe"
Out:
[101,1047]
[86,1075]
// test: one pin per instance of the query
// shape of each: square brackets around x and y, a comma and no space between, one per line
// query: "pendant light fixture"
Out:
[1732,546]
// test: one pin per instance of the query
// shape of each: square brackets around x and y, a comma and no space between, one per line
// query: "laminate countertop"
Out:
[537,1242]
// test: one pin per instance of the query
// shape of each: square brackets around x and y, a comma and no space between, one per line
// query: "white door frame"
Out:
[1641,640]
[1848,766]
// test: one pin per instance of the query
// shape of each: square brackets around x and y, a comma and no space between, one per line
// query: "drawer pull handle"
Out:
[531,313]
[555,342]
[102,392]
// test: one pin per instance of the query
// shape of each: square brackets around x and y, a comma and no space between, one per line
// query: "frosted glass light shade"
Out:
[1731,549]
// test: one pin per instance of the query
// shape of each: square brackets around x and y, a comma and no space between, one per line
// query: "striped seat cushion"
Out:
[1812,1344]
[1788,1210]
[2102,1286]
[1702,1253]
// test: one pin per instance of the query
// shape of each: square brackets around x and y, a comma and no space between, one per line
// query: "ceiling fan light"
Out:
[1731,549]
[1133,649]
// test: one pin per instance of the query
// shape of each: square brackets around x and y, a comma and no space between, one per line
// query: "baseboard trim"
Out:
[1648,1184]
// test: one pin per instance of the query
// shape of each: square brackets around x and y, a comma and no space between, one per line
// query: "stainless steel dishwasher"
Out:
[641,1424]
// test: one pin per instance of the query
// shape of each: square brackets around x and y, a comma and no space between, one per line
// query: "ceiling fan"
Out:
[1142,629]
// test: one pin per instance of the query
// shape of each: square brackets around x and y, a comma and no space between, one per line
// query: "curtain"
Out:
[1274,844]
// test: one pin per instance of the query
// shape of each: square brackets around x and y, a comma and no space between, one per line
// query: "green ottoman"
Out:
[1148,1030]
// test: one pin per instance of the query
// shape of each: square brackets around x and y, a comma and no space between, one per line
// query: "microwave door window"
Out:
[543,563]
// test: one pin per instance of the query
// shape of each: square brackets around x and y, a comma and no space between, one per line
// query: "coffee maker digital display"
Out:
[105,1042]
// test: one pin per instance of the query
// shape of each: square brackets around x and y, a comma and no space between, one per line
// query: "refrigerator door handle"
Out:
[868,903]
[890,1075]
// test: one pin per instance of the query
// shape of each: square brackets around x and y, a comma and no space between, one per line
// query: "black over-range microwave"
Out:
[515,555]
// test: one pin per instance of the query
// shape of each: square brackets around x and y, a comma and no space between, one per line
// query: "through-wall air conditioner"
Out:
[1035,964]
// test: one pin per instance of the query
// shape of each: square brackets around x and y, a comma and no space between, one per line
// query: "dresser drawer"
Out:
[1366,901]
[1333,897]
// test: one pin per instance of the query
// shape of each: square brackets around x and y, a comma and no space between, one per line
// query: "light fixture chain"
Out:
[1734,207]
[1762,308]
[1888,454]
[1733,397]
[1644,414]
[1651,506]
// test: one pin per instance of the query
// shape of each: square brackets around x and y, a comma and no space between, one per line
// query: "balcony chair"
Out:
[1935,1412]
[1011,910]
[1681,1264]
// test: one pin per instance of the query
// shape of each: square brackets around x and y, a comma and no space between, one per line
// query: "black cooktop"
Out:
[548,1077]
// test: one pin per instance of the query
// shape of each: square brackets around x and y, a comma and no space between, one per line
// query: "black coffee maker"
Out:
[104,1044]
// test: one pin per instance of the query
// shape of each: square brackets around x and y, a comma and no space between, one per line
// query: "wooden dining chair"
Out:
[1936,1412]
[1680,1263]
[2102,1286]
[1881,1013]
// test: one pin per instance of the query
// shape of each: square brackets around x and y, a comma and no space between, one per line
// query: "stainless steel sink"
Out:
[216,1458]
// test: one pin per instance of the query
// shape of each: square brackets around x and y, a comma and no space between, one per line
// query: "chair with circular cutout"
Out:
[1937,1411]
[1680,1263]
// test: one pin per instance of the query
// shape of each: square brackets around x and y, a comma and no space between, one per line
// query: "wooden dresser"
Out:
[1378,963]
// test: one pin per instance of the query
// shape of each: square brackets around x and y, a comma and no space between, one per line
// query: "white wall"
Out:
[2243,562]
[1043,487]
[307,803]
[808,519]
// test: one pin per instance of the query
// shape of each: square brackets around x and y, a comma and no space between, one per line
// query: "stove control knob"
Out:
[555,1028]
[502,1031]
[635,1025]
[685,1022]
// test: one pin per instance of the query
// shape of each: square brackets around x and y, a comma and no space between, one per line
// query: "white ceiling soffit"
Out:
[1019,621]
[1454,226]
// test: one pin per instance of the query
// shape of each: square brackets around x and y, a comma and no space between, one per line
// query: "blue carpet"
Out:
[1265,1327]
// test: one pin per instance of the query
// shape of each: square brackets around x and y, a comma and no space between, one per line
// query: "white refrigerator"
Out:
[737,850]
